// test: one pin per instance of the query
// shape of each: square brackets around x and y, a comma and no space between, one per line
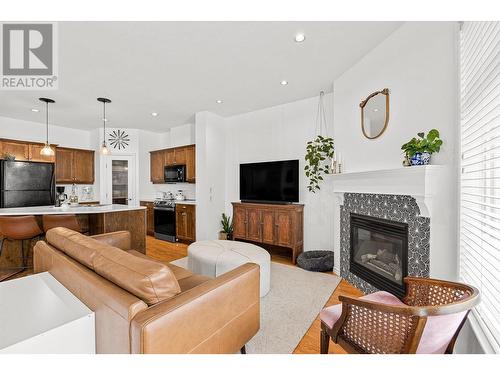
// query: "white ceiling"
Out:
[180,68]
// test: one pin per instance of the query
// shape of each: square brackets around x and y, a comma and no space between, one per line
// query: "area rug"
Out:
[288,310]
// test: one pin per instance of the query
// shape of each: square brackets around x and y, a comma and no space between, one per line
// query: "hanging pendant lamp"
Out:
[47,150]
[104,146]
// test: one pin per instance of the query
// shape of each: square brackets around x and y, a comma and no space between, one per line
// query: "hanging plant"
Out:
[319,153]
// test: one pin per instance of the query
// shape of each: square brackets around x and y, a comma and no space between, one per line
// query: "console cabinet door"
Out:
[267,223]
[284,228]
[253,224]
[240,222]
[157,164]
[185,225]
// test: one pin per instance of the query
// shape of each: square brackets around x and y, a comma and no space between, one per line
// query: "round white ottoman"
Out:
[214,258]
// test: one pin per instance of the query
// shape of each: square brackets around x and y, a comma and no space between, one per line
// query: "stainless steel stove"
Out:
[164,212]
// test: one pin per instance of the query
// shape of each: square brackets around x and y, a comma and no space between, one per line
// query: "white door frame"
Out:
[132,178]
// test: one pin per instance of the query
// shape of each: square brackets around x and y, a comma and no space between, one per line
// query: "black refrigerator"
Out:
[26,184]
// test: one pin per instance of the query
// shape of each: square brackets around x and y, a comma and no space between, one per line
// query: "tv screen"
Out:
[275,181]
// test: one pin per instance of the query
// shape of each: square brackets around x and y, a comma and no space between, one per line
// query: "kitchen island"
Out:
[93,219]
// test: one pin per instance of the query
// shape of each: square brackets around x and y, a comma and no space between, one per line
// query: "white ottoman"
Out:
[214,258]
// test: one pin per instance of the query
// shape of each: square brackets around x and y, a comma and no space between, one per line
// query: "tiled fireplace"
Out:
[383,238]
[389,224]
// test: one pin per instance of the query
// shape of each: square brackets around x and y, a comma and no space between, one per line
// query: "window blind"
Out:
[480,177]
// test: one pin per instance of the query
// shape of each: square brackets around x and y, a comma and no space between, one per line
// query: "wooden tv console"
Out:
[270,224]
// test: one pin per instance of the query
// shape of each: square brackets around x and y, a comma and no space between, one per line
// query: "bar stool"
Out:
[19,228]
[65,221]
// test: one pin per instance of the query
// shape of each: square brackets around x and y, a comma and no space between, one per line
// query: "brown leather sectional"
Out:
[145,306]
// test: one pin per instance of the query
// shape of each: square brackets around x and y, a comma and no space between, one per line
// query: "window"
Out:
[480,177]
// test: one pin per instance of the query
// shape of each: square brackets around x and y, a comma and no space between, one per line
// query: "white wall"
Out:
[281,133]
[419,65]
[210,174]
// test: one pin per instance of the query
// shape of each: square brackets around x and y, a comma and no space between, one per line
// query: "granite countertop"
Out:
[51,210]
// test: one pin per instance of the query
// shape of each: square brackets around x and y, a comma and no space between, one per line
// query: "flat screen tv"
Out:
[273,182]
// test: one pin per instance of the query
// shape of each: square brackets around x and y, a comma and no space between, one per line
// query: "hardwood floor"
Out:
[166,251]
[309,344]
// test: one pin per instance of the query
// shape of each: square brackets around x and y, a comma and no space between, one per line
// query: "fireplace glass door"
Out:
[379,252]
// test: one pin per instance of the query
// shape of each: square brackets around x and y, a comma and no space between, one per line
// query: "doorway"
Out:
[120,171]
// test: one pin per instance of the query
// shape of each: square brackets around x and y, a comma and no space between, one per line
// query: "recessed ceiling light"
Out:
[35,110]
[284,82]
[300,37]
[219,101]
[375,109]
[105,119]
[154,114]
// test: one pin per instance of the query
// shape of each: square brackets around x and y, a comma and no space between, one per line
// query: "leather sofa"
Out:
[145,306]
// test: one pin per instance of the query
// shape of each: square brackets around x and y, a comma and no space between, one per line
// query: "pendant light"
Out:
[47,150]
[104,146]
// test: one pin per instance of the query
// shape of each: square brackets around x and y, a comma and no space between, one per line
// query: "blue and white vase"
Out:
[420,158]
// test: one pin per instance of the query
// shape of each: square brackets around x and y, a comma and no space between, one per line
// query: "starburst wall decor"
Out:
[119,139]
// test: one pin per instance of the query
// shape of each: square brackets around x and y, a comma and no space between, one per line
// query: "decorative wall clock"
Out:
[119,139]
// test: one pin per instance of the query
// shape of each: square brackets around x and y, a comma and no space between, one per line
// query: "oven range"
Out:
[164,213]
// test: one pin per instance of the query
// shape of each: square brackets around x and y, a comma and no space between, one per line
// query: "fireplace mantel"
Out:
[420,182]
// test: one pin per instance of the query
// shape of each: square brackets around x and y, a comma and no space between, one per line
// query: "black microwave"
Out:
[175,173]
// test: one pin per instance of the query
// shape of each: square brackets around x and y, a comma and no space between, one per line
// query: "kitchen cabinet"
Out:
[157,165]
[150,217]
[185,222]
[191,164]
[74,166]
[159,159]
[25,151]
[270,224]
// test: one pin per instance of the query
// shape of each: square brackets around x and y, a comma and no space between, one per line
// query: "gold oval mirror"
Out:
[375,114]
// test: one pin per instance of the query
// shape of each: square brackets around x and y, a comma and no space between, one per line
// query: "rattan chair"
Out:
[427,320]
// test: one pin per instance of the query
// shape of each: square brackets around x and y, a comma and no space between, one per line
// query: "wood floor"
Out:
[309,344]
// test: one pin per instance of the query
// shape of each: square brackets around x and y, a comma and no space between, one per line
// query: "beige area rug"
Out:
[288,310]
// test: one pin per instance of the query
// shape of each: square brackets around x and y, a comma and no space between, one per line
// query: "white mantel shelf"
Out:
[420,182]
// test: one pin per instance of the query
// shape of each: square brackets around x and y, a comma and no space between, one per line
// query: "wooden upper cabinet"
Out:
[169,156]
[191,163]
[157,165]
[180,156]
[35,153]
[64,166]
[74,166]
[21,150]
[83,166]
[185,155]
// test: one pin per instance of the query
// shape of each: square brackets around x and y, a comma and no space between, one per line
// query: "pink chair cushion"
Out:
[438,331]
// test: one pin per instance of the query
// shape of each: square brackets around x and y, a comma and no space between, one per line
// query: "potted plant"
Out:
[227,228]
[418,151]
[319,153]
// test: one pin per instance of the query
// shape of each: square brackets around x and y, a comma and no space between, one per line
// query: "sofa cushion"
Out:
[145,278]
[74,244]
[179,272]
